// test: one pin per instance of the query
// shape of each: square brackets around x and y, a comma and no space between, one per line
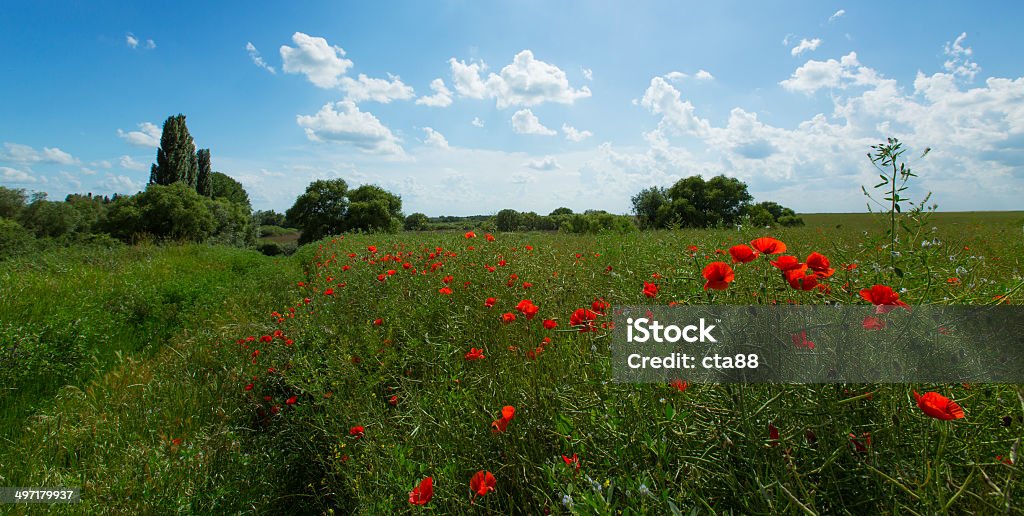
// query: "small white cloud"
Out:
[703,75]
[442,96]
[959,62]
[378,90]
[321,63]
[101,164]
[257,59]
[525,122]
[675,76]
[575,135]
[434,138]
[127,162]
[805,45]
[547,163]
[131,40]
[477,122]
[787,39]
[588,74]
[14,176]
[836,15]
[150,44]
[344,122]
[120,184]
[148,135]
[18,153]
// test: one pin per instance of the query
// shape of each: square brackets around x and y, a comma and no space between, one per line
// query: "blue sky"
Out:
[470,107]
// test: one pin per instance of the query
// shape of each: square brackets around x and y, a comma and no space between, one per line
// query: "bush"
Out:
[48,218]
[234,224]
[15,240]
[790,221]
[416,222]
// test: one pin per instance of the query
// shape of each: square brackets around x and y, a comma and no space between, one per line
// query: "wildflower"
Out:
[718,276]
[787,263]
[470,234]
[483,482]
[883,297]
[291,401]
[422,493]
[475,354]
[742,254]
[356,431]
[650,289]
[820,265]
[938,406]
[329,292]
[679,385]
[583,317]
[445,290]
[768,245]
[872,323]
[572,462]
[501,424]
[550,324]
[489,302]
[508,317]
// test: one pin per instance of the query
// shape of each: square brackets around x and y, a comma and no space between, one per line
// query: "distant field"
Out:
[385,365]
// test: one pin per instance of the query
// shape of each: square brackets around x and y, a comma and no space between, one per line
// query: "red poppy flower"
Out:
[801,281]
[573,462]
[860,446]
[292,400]
[445,290]
[490,237]
[381,277]
[356,431]
[786,263]
[447,279]
[584,317]
[249,387]
[422,493]
[773,434]
[938,406]
[470,234]
[742,254]
[679,385]
[329,292]
[800,341]
[768,245]
[650,289]
[393,400]
[527,308]
[475,354]
[820,265]
[483,482]
[872,323]
[489,302]
[550,324]
[718,276]
[883,297]
[599,305]
[508,317]
[372,249]
[378,322]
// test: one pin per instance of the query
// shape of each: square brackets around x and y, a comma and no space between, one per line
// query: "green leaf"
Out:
[898,271]
[670,412]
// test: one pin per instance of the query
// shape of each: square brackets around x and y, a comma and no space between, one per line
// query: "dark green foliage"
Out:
[372,208]
[695,203]
[176,157]
[174,212]
[650,207]
[560,211]
[225,187]
[320,210]
[15,240]
[48,218]
[416,222]
[12,201]
[204,179]
[269,218]
[91,211]
[507,220]
[234,224]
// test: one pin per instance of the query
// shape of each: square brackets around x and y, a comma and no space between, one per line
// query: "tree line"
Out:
[186,200]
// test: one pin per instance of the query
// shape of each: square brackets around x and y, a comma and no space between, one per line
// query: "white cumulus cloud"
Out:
[129,163]
[323,64]
[836,15]
[344,122]
[477,122]
[704,75]
[526,81]
[434,138]
[959,61]
[442,96]
[148,135]
[525,122]
[575,135]
[378,90]
[18,153]
[806,45]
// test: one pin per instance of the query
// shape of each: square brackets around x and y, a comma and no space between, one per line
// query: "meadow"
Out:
[211,380]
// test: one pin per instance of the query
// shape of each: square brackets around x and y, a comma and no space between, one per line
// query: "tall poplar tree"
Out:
[176,158]
[204,179]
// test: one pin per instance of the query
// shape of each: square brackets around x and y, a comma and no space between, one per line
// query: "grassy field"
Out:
[199,380]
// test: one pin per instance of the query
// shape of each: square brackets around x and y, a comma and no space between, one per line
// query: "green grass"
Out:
[642,448]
